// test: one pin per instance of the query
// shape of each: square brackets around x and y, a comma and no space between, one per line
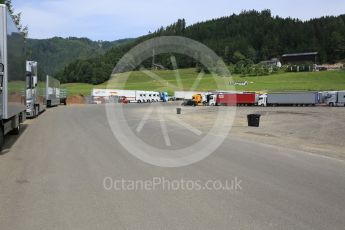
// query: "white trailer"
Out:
[52,91]
[289,99]
[335,98]
[146,97]
[133,96]
[107,94]
[185,95]
[12,76]
[35,91]
[153,96]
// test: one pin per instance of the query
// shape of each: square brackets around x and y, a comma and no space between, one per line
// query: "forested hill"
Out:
[251,35]
[55,53]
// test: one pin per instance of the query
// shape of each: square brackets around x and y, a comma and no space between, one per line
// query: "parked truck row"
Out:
[22,92]
[334,98]
[101,96]
[41,92]
[221,98]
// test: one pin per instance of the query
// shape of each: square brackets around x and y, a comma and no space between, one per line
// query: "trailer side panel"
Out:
[231,99]
[15,78]
[292,98]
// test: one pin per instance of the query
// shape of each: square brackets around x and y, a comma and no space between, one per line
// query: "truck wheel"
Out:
[2,138]
[16,130]
[331,104]
[34,113]
[37,111]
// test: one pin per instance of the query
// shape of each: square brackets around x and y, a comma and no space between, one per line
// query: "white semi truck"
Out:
[289,99]
[12,76]
[335,98]
[52,91]
[35,91]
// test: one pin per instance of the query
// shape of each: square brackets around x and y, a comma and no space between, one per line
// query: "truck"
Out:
[132,96]
[63,96]
[198,99]
[182,95]
[145,96]
[335,98]
[289,99]
[12,76]
[35,91]
[211,99]
[164,97]
[236,99]
[52,91]
[152,96]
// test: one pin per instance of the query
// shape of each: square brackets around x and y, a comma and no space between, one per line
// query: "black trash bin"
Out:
[253,120]
[178,110]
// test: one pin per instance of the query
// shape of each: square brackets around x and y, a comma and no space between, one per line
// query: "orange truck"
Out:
[198,99]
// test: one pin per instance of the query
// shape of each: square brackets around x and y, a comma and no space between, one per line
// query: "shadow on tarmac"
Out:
[11,139]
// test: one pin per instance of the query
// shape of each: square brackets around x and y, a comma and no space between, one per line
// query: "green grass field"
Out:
[137,80]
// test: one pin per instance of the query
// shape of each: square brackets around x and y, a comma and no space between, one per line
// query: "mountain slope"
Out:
[55,53]
[251,35]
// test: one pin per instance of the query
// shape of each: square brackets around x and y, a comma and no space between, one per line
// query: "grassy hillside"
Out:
[318,81]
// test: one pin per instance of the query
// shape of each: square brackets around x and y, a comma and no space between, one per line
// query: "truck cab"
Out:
[164,96]
[335,98]
[211,99]
[262,101]
[197,99]
[33,105]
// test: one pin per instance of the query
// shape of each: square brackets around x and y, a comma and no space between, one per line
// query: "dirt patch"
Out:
[76,99]
[314,129]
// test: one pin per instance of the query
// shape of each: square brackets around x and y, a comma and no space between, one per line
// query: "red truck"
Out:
[236,99]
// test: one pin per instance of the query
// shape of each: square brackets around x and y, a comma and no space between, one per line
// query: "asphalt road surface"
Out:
[52,177]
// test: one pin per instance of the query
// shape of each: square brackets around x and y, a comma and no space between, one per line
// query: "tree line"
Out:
[55,53]
[249,37]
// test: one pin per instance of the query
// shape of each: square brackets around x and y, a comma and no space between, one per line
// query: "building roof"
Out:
[300,54]
[270,62]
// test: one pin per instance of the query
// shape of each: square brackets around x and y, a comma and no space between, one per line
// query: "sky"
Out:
[110,20]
